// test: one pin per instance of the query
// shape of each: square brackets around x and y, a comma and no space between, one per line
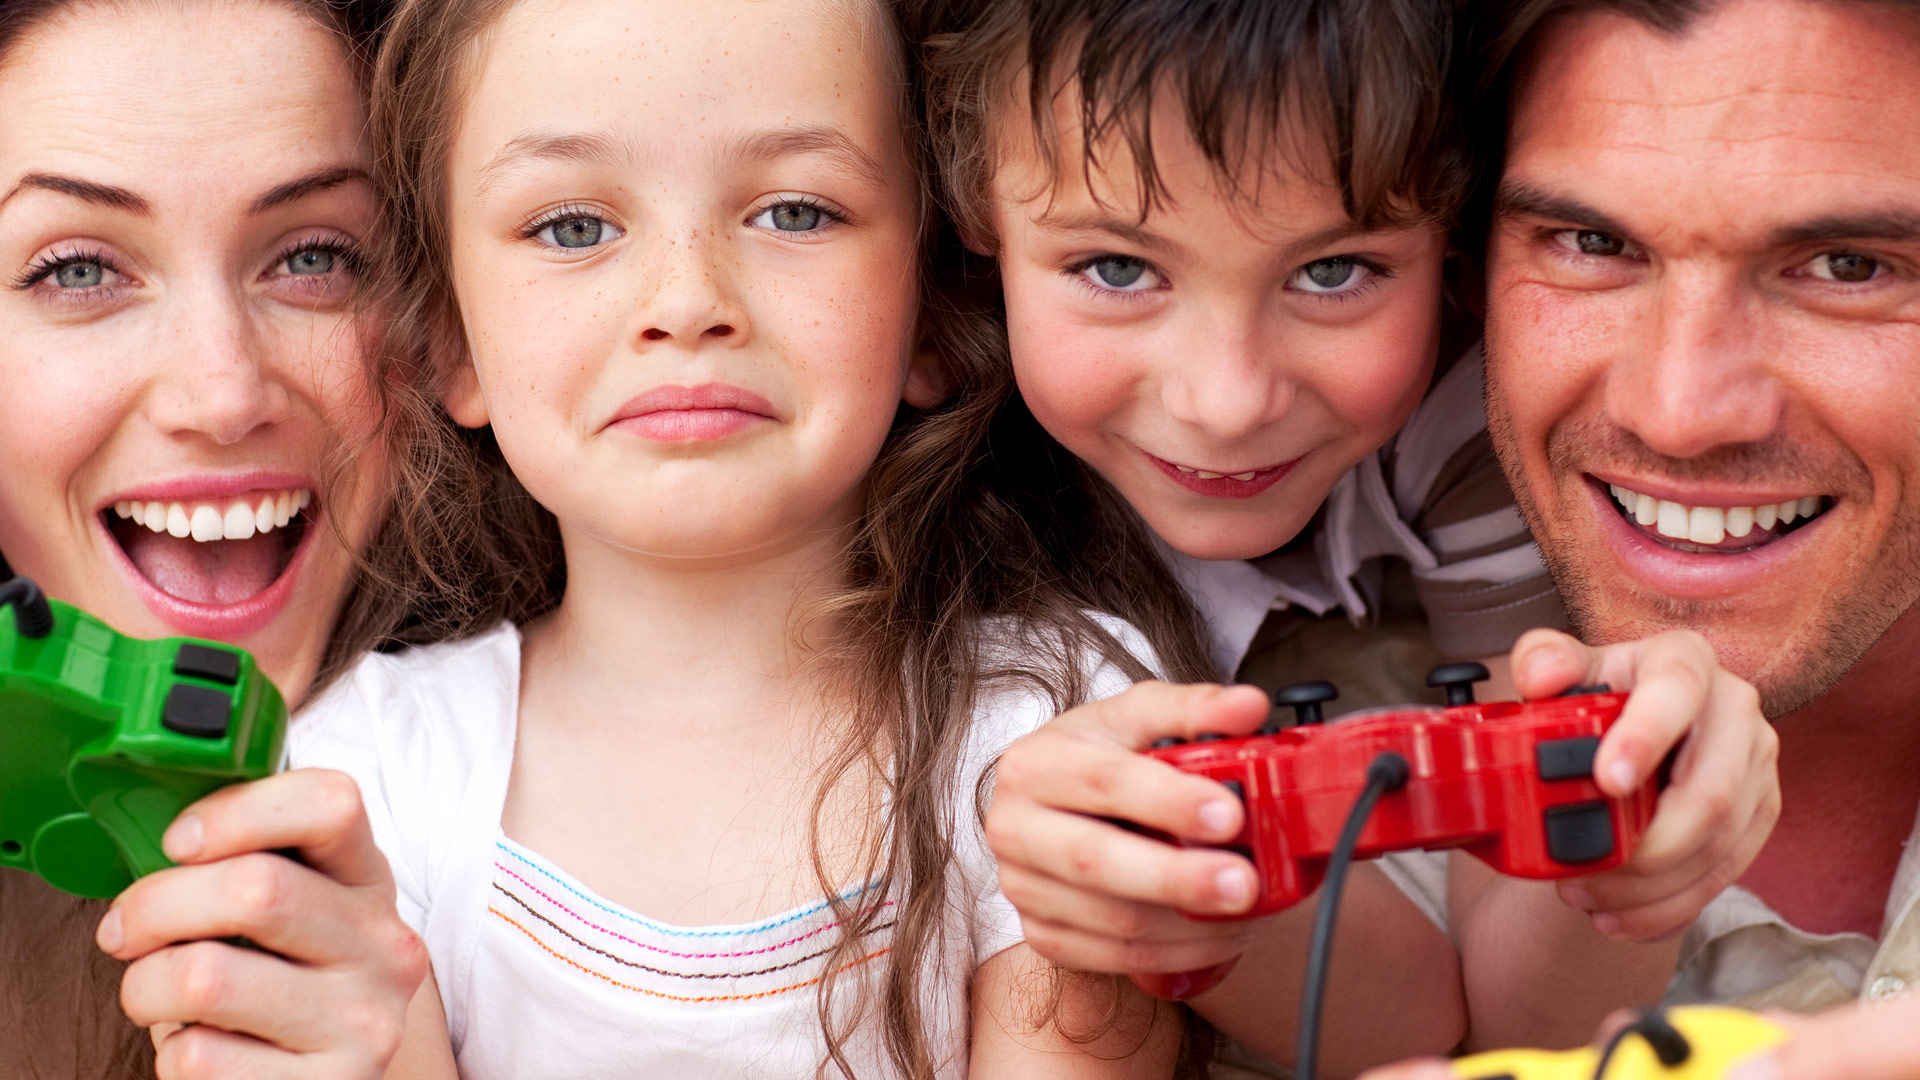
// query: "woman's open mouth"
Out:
[214,552]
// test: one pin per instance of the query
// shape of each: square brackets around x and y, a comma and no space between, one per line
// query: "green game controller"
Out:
[104,739]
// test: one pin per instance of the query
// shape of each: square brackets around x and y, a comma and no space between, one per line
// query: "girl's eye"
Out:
[793,217]
[1339,274]
[311,261]
[1846,267]
[1121,273]
[79,274]
[579,231]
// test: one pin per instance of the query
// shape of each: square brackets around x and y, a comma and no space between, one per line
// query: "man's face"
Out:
[1703,342]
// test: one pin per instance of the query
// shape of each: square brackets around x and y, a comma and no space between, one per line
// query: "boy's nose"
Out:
[1228,389]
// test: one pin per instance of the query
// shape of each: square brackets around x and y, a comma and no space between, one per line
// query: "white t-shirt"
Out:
[541,977]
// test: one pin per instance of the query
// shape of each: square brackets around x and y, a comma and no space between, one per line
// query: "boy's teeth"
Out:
[1243,476]
[1204,475]
[1710,524]
[204,522]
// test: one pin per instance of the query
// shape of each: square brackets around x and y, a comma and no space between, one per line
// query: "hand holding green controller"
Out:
[104,739]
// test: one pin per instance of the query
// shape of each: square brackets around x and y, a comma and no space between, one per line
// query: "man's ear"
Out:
[928,381]
[459,382]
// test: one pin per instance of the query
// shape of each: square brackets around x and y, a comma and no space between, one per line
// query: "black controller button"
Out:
[196,711]
[1239,790]
[1458,679]
[1581,691]
[1166,741]
[1306,699]
[1209,736]
[1579,832]
[1567,759]
[206,662]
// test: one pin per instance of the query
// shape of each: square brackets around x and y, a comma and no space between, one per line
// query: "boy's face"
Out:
[1224,359]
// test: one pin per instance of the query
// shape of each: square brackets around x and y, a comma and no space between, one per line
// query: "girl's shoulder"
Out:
[1031,673]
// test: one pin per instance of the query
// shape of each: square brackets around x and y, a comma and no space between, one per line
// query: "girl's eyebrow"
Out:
[603,148]
[822,139]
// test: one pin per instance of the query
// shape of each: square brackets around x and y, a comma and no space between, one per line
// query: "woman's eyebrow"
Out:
[320,180]
[117,198]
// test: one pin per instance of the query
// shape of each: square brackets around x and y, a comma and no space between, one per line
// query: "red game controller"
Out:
[1511,782]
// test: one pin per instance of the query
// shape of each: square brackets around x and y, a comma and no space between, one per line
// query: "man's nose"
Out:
[212,376]
[1231,383]
[1700,374]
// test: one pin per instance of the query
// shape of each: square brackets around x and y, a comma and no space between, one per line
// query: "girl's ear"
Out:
[459,382]
[928,381]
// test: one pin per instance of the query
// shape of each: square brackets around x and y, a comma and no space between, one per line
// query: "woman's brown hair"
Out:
[972,513]
[60,1013]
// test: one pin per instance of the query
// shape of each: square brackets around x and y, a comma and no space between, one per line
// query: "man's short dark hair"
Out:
[1370,78]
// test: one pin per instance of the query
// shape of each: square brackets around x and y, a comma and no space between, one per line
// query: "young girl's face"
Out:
[684,250]
[1222,359]
[178,215]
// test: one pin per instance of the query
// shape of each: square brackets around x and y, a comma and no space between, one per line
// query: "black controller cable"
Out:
[31,615]
[1653,1026]
[1388,772]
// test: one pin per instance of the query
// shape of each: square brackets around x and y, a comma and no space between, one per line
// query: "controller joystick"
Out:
[1508,782]
[104,739]
[1458,680]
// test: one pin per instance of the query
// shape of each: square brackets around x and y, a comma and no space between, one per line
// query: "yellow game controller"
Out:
[1699,1042]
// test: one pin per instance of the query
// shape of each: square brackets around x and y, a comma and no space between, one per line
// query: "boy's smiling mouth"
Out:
[1714,530]
[212,551]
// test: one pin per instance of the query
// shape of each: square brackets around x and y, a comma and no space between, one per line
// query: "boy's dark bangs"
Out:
[1354,91]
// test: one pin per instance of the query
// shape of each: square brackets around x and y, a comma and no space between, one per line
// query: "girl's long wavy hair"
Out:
[971,513]
[59,994]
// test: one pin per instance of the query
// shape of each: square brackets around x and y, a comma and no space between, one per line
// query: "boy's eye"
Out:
[1846,267]
[579,231]
[1121,273]
[791,217]
[1336,275]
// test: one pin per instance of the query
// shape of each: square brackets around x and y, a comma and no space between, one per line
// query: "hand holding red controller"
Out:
[1510,782]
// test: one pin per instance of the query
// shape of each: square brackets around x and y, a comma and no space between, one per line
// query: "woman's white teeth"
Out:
[1710,524]
[238,520]
[1205,475]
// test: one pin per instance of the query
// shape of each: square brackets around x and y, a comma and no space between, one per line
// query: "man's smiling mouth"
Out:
[214,552]
[1717,530]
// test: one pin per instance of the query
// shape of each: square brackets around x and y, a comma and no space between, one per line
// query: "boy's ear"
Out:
[928,382]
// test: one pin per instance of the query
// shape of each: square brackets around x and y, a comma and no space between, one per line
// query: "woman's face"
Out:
[183,194]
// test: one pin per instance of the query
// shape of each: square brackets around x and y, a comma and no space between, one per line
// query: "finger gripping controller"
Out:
[104,739]
[1510,782]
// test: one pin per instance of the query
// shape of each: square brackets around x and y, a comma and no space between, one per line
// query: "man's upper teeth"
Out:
[1710,524]
[237,519]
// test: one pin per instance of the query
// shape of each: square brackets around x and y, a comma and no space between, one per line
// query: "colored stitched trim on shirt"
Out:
[663,928]
[673,974]
[502,867]
[677,997]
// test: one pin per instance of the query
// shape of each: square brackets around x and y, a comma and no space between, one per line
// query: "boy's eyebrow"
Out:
[1129,231]
[319,180]
[809,139]
[586,147]
[117,198]
[1514,199]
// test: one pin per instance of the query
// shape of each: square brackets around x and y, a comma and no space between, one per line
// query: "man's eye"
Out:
[1847,267]
[579,231]
[1589,242]
[1121,273]
[1331,276]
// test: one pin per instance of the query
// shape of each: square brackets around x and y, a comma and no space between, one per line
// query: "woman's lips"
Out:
[1242,485]
[224,589]
[692,413]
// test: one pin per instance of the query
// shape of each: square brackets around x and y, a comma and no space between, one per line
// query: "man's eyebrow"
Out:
[294,190]
[585,147]
[1899,226]
[1525,200]
[809,139]
[118,198]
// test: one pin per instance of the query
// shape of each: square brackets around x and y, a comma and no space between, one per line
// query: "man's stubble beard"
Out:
[1809,658]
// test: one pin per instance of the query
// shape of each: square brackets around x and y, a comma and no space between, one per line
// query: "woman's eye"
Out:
[79,274]
[311,261]
[1121,273]
[1846,267]
[579,231]
[1336,275]
[792,217]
